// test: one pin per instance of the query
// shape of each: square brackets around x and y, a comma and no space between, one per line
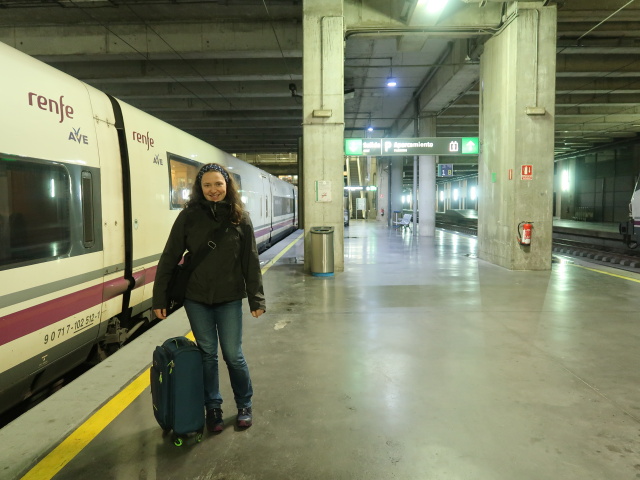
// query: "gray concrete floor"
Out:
[420,361]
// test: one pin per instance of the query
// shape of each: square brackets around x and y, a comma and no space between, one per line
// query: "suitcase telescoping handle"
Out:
[177,342]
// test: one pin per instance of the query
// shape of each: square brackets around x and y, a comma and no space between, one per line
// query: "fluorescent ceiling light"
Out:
[391,82]
[435,6]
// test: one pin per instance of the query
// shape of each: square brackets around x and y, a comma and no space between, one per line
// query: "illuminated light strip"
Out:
[607,273]
[71,446]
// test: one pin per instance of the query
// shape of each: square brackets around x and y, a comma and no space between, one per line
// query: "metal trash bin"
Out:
[322,251]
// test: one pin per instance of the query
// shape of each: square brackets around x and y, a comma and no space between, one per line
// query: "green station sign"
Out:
[384,147]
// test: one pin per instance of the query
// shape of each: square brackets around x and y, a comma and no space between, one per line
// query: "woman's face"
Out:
[214,187]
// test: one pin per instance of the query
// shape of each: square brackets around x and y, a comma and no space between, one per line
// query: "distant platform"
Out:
[603,230]
[466,214]
[602,226]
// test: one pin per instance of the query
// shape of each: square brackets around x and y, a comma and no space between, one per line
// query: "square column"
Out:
[323,123]
[517,111]
[427,179]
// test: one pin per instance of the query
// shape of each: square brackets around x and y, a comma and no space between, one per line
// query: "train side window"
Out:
[35,202]
[182,174]
[238,179]
[88,237]
[282,206]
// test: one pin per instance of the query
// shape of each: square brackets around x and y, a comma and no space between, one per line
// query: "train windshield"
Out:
[35,199]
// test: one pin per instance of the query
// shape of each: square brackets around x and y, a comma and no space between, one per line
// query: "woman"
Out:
[213,300]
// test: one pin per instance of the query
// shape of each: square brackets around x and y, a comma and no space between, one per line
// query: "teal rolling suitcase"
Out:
[177,389]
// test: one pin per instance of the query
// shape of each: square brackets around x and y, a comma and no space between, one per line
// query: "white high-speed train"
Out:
[89,189]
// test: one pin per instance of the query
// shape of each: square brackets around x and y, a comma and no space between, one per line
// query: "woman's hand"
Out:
[257,313]
[161,313]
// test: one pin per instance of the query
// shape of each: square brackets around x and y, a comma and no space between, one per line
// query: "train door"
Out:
[111,211]
[148,214]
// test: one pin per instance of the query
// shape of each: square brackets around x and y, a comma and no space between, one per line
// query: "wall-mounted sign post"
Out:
[445,169]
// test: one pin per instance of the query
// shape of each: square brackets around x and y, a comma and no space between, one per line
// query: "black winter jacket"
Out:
[231,271]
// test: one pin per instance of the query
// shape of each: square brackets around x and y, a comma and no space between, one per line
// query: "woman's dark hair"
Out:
[232,197]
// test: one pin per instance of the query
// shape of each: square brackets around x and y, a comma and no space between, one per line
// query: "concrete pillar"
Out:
[395,193]
[427,182]
[414,197]
[383,190]
[517,107]
[427,196]
[323,123]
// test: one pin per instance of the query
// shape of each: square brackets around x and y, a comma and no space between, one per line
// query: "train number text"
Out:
[76,326]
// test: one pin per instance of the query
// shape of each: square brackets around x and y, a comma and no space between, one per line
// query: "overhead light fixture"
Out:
[369,128]
[391,81]
[435,6]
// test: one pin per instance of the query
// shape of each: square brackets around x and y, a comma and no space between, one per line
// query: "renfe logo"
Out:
[54,106]
[144,139]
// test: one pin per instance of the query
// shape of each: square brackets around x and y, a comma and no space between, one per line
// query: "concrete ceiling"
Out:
[222,70]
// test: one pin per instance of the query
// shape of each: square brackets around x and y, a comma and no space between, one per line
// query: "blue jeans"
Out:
[221,321]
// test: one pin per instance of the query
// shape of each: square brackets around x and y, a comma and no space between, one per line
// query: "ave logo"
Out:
[75,136]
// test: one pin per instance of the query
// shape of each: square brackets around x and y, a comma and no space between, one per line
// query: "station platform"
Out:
[607,230]
[580,228]
[418,362]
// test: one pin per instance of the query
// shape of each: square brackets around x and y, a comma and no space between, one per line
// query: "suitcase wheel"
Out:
[199,437]
[178,441]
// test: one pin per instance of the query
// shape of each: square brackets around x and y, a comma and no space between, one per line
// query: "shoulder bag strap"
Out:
[198,256]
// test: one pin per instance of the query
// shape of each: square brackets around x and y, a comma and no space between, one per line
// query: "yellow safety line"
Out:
[80,438]
[607,273]
[73,444]
[85,433]
[272,262]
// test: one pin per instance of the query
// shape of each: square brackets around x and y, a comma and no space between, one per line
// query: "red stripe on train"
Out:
[29,320]
[265,230]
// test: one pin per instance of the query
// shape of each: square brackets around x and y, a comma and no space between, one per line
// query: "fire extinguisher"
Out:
[525,239]
[382,212]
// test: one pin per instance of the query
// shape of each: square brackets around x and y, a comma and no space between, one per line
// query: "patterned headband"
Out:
[212,166]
